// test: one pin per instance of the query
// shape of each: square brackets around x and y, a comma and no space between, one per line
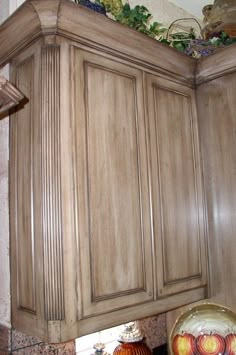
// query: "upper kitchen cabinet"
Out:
[111,184]
[106,200]
[177,190]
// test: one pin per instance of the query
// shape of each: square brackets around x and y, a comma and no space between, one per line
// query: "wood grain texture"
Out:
[217,106]
[9,95]
[25,200]
[217,65]
[217,124]
[162,305]
[177,187]
[112,180]
[51,180]
[25,194]
[25,24]
[101,142]
[65,18]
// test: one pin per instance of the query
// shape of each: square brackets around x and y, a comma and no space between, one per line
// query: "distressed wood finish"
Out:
[179,223]
[87,251]
[25,198]
[51,184]
[112,180]
[25,194]
[217,107]
[217,65]
[70,20]
[216,116]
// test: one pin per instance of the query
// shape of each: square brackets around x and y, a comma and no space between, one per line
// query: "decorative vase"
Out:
[221,16]
[138,348]
[131,341]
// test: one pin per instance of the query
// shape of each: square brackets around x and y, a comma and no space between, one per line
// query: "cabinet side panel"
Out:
[217,119]
[25,259]
[27,299]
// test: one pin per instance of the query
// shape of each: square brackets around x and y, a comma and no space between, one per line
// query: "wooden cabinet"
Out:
[216,85]
[112,185]
[106,197]
[217,121]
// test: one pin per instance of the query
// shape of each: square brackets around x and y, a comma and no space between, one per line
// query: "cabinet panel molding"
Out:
[113,184]
[178,196]
[24,188]
[51,184]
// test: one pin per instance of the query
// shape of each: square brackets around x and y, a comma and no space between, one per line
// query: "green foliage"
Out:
[198,47]
[181,40]
[221,39]
[138,18]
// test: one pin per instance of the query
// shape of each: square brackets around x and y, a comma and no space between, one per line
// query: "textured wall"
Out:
[162,10]
[4,223]
[4,9]
[5,310]
[4,208]
[4,219]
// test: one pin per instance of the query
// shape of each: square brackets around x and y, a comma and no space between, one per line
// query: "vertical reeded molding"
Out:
[51,167]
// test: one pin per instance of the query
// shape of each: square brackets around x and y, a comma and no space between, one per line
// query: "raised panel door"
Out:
[178,207]
[112,185]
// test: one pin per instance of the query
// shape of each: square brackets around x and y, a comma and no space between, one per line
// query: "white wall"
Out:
[4,222]
[163,11]
[6,7]
[194,7]
[4,209]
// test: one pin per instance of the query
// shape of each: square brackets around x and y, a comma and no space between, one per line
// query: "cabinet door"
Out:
[112,191]
[177,190]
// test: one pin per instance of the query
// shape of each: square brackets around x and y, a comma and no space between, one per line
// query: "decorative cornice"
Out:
[221,63]
[65,18]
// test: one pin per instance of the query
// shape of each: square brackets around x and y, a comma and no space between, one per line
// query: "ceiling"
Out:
[192,6]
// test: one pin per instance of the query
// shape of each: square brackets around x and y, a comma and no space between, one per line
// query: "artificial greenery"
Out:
[221,39]
[139,18]
[181,40]
[198,47]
